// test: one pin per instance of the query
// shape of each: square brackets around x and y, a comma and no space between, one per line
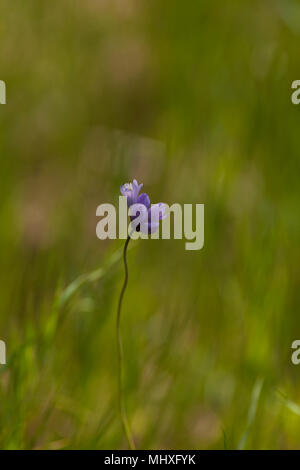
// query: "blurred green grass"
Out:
[193,99]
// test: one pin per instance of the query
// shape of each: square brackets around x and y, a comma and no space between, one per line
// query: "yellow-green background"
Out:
[193,99]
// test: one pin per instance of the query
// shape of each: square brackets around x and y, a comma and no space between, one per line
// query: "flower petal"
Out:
[158,212]
[131,191]
[144,199]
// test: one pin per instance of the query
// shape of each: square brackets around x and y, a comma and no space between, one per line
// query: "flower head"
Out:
[150,215]
[156,213]
[131,191]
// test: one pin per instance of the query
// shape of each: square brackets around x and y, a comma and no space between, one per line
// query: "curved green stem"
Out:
[120,355]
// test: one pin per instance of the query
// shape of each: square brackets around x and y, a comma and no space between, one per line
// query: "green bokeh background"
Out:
[193,99]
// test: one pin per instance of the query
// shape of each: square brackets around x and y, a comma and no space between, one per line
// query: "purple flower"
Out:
[156,213]
[131,191]
[150,215]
